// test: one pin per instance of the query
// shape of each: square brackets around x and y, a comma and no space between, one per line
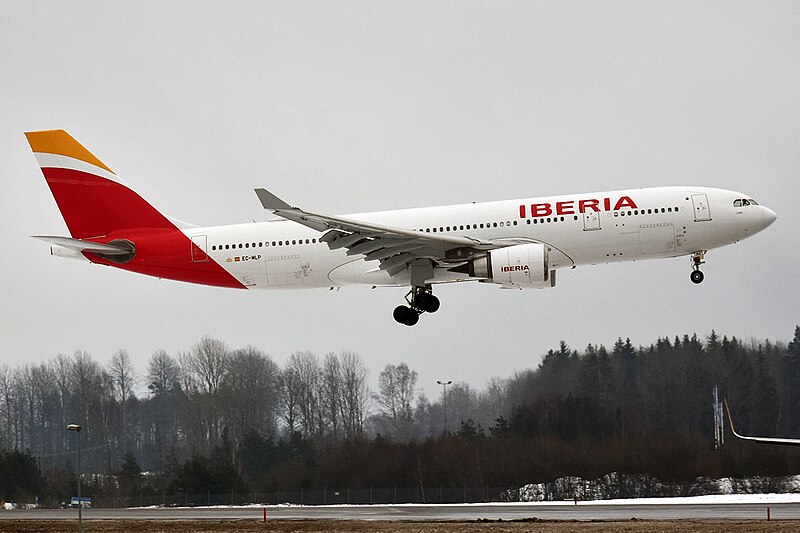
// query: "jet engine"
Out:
[522,266]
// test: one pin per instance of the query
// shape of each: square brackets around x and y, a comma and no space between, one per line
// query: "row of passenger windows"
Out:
[442,229]
[646,211]
[262,244]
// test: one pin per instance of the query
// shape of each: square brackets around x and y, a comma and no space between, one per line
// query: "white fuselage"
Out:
[580,229]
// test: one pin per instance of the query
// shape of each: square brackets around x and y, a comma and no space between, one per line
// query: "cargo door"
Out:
[284,271]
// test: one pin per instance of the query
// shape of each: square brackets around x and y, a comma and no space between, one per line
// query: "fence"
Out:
[325,496]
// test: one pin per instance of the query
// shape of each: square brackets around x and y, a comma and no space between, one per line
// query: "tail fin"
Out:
[93,200]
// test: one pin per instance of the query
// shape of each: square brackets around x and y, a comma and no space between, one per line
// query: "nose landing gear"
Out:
[698,258]
[420,300]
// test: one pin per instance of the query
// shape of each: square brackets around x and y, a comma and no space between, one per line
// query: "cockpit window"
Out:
[752,202]
[737,203]
[742,202]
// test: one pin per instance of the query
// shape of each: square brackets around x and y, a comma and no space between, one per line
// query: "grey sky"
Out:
[347,107]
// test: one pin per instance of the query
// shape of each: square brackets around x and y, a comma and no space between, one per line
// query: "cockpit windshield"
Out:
[741,202]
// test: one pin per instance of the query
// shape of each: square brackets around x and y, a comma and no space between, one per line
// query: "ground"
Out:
[331,526]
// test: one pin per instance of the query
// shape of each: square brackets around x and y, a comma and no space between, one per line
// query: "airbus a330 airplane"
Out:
[516,244]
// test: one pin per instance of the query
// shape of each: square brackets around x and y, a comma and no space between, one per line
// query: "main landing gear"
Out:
[420,300]
[698,258]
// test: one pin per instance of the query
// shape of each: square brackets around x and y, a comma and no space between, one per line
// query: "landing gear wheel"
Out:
[405,315]
[697,277]
[426,302]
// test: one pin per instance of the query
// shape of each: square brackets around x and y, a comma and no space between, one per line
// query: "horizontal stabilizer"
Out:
[85,246]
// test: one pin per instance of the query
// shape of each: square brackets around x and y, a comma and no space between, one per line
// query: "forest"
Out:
[222,422]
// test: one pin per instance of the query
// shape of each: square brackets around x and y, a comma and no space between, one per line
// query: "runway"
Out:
[433,512]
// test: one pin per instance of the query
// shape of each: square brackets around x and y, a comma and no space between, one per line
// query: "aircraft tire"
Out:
[427,302]
[405,315]
[697,277]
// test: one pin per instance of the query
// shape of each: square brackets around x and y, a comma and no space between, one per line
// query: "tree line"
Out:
[221,420]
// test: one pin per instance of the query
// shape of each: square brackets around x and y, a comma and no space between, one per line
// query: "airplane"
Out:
[516,244]
[763,440]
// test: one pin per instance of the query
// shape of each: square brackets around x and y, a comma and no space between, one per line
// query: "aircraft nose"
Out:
[768,215]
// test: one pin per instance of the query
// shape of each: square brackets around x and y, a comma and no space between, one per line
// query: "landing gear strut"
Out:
[698,258]
[420,300]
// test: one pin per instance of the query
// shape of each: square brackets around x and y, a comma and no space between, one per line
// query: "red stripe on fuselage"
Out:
[101,210]
[168,254]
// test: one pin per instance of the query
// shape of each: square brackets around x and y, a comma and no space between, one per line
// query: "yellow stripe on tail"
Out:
[60,142]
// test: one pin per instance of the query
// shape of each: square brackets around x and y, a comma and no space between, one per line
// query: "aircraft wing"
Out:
[394,248]
[765,440]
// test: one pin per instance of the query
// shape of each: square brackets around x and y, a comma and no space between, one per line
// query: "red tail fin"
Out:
[93,200]
[100,208]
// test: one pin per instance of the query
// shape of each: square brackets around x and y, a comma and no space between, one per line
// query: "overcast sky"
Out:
[362,106]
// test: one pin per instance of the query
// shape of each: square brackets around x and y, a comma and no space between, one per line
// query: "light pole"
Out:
[444,385]
[77,429]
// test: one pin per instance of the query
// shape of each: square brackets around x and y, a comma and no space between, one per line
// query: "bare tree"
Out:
[123,380]
[354,393]
[249,390]
[92,394]
[7,406]
[331,393]
[163,373]
[209,362]
[397,385]
[308,370]
[291,391]
[62,375]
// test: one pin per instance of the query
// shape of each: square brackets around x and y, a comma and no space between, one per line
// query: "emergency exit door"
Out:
[701,210]
[199,244]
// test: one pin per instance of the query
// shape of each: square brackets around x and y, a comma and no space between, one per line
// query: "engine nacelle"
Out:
[522,266]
